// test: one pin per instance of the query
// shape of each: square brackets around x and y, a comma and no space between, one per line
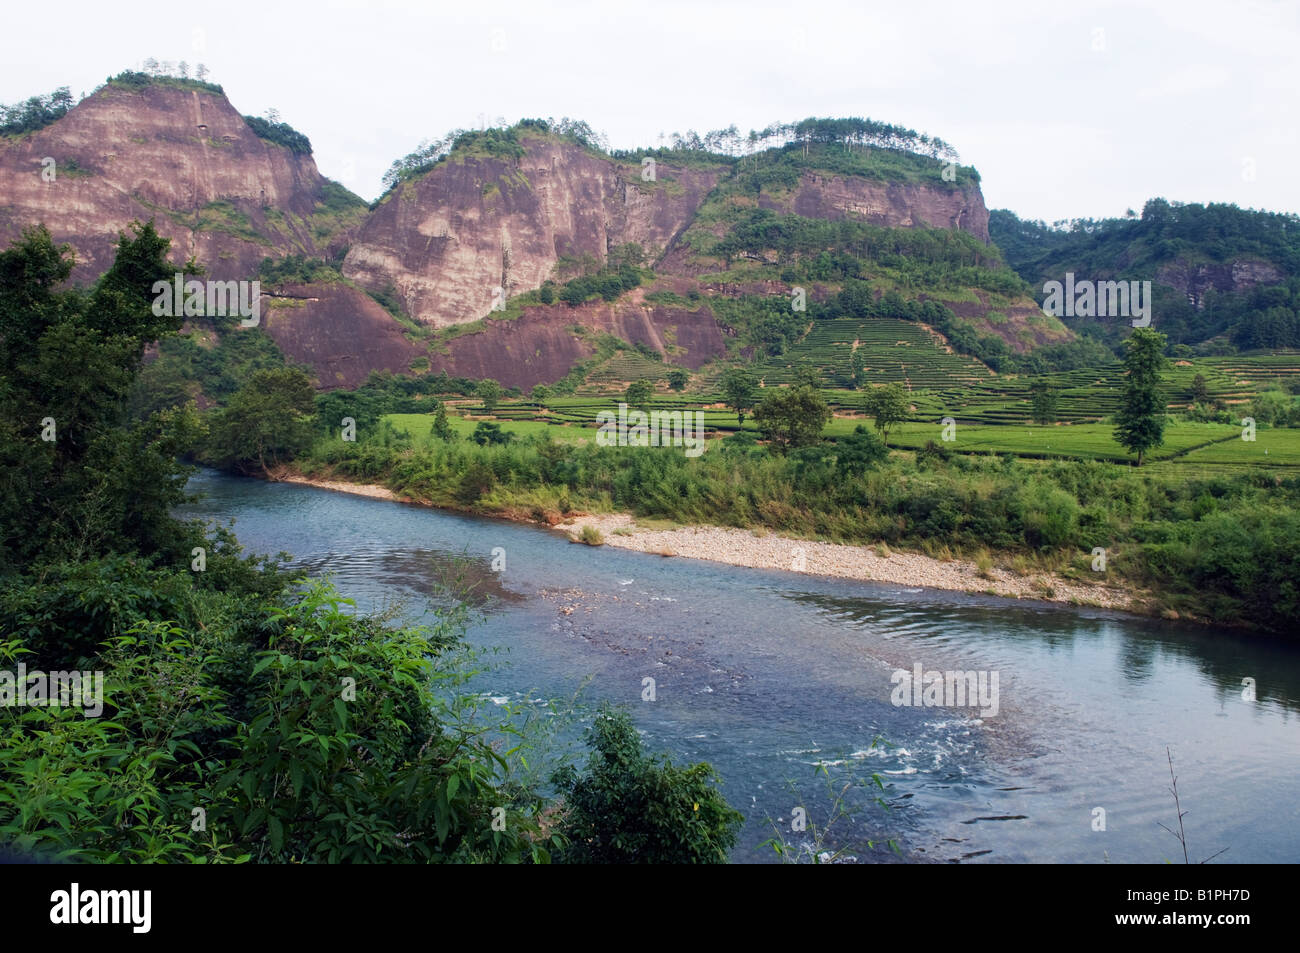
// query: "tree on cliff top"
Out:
[35,113]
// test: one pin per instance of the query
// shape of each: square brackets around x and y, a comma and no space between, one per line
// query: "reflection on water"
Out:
[775,677]
[437,575]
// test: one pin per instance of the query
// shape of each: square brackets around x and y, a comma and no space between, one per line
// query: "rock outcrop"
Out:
[180,155]
[1194,280]
[444,242]
[888,204]
[338,331]
[541,345]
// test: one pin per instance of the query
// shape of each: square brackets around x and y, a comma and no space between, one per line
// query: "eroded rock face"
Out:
[182,157]
[1195,280]
[337,330]
[888,204]
[541,347]
[446,241]
[344,335]
[443,242]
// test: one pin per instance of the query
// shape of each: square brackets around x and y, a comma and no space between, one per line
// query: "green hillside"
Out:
[1165,244]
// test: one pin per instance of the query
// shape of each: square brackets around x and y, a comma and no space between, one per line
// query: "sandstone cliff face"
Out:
[1195,280]
[445,241]
[338,331]
[888,204]
[344,335]
[181,156]
[541,347]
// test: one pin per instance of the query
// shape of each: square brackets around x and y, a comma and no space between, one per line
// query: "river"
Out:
[768,675]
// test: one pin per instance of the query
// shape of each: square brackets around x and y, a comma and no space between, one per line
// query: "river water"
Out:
[769,675]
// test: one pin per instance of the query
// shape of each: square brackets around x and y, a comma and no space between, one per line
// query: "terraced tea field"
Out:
[419,427]
[992,412]
[1084,441]
[1255,371]
[893,350]
[621,369]
[1278,447]
[1082,396]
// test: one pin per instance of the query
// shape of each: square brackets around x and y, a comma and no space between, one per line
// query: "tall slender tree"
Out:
[1140,422]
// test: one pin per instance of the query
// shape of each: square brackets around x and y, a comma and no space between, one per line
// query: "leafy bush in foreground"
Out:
[307,735]
[629,808]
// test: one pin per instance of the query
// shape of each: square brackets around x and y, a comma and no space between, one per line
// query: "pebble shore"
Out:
[741,547]
[760,550]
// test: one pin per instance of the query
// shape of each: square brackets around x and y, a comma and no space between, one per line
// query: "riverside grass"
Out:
[1219,546]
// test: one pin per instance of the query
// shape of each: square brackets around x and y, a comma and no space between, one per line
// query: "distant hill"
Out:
[518,252]
[1224,278]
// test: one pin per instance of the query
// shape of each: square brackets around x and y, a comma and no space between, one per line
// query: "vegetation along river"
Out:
[768,675]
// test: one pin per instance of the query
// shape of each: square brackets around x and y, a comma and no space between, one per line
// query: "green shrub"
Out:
[281,133]
[487,433]
[311,735]
[628,808]
[638,392]
[1051,516]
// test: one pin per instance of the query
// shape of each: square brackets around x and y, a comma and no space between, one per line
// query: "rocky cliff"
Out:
[181,155]
[542,345]
[888,204]
[446,240]
[338,331]
[478,227]
[1194,280]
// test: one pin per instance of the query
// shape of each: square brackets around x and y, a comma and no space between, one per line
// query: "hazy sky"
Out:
[1067,109]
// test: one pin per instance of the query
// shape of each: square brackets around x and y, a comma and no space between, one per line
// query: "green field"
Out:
[992,412]
[1194,442]
[1274,447]
[1087,441]
[419,426]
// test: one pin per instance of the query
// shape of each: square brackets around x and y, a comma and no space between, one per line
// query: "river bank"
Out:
[763,550]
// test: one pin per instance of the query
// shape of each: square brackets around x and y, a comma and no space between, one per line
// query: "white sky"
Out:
[1194,101]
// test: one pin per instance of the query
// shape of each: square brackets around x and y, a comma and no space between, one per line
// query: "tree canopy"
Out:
[792,417]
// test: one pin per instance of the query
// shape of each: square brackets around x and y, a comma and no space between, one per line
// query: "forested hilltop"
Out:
[1225,278]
